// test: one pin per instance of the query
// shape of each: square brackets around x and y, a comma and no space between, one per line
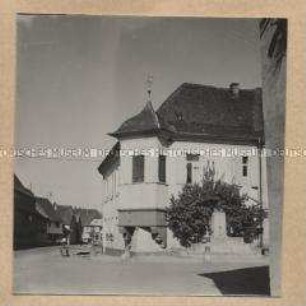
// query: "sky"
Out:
[79,77]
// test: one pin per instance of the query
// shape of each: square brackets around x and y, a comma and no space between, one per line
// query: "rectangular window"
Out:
[162,168]
[245,170]
[245,166]
[245,159]
[138,168]
[189,173]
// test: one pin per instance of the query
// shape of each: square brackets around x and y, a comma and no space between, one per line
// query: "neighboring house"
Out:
[71,222]
[200,128]
[29,225]
[86,217]
[93,232]
[65,212]
[54,221]
[77,220]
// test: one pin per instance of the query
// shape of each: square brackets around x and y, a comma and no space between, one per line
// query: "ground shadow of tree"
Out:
[248,281]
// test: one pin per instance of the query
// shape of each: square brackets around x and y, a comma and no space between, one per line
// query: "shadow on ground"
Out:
[248,281]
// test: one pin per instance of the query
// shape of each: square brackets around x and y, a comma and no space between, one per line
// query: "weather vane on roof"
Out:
[50,195]
[149,83]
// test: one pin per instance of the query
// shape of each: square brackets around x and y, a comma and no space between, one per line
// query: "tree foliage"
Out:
[278,43]
[188,215]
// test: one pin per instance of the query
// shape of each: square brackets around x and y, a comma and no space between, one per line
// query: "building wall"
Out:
[30,229]
[54,228]
[274,95]
[91,232]
[121,193]
[111,236]
[227,161]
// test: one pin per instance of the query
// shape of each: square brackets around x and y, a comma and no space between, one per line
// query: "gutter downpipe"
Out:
[260,148]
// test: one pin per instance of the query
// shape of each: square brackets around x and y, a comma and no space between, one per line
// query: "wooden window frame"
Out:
[245,160]
[162,168]
[138,165]
[189,173]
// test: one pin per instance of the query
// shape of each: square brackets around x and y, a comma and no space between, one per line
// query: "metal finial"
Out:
[149,83]
[50,195]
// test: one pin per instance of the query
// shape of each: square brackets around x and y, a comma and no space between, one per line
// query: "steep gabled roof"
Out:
[46,209]
[143,122]
[65,212]
[202,112]
[18,186]
[196,110]
[85,215]
[24,199]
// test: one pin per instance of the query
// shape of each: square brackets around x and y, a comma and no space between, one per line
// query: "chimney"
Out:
[235,88]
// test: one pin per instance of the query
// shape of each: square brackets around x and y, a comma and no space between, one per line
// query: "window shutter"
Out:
[189,173]
[162,168]
[245,170]
[245,166]
[138,168]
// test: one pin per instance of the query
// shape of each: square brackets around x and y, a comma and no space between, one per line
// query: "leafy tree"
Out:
[188,215]
[278,43]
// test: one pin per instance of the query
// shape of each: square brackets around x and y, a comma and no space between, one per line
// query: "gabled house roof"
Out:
[18,186]
[85,215]
[96,222]
[65,212]
[46,209]
[202,112]
[88,215]
[210,111]
[24,199]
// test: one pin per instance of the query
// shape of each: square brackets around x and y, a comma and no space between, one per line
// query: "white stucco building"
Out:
[197,128]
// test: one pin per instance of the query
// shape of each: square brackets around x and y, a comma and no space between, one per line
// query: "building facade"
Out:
[77,222]
[54,226]
[273,60]
[197,129]
[29,226]
[92,233]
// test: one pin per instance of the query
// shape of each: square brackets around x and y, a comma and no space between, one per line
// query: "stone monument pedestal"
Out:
[219,225]
[221,243]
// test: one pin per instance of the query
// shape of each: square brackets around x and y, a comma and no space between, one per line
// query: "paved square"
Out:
[45,271]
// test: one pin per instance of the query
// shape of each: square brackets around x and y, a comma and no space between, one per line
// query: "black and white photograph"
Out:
[148,155]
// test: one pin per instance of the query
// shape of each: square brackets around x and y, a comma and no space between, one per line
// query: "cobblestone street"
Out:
[45,271]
